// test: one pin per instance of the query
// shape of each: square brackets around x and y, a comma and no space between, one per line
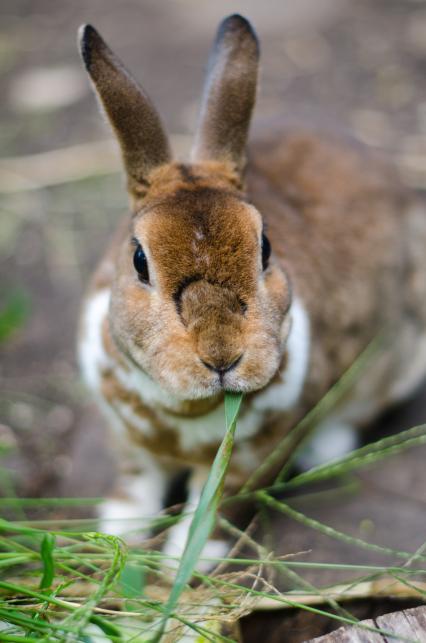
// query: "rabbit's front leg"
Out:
[138,497]
[177,537]
[332,439]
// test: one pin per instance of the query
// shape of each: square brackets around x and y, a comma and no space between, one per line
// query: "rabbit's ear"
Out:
[134,120]
[229,94]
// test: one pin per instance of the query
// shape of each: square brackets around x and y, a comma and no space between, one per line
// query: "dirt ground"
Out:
[353,66]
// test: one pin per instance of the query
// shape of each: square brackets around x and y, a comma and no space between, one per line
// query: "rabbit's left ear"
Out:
[134,119]
[229,94]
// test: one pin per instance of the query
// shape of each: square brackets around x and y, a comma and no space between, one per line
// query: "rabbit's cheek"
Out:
[276,293]
[286,387]
[179,371]
[169,357]
[257,368]
[267,344]
[285,329]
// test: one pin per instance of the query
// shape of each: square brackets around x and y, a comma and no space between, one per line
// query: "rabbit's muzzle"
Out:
[214,316]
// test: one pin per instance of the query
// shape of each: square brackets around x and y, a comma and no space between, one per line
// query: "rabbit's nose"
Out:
[221,367]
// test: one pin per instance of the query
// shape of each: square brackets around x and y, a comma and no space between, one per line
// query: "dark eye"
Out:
[140,263]
[266,251]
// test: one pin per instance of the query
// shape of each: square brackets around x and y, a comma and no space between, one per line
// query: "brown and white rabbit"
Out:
[269,278]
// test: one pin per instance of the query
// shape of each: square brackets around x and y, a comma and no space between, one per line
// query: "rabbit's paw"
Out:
[212,554]
[330,441]
[123,518]
[130,513]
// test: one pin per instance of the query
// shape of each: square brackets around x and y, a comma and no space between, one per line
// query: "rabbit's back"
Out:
[352,239]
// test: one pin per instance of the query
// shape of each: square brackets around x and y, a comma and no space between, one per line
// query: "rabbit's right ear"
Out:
[229,94]
[134,120]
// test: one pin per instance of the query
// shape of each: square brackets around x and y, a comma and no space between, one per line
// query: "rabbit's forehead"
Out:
[217,239]
[212,220]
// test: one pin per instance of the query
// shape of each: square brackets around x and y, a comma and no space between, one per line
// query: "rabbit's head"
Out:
[198,301]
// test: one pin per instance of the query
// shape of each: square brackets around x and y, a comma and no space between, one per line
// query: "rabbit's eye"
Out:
[266,251]
[140,263]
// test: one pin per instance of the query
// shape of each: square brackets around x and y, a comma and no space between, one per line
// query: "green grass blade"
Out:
[362,457]
[284,508]
[14,313]
[46,553]
[132,581]
[107,627]
[18,639]
[205,513]
[49,502]
[82,615]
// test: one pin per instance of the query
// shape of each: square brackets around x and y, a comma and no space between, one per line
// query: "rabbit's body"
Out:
[363,229]
[213,314]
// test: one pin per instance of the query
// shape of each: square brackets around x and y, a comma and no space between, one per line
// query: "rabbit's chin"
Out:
[199,391]
[212,391]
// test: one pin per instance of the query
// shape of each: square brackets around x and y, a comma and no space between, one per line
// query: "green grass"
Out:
[59,581]
[14,312]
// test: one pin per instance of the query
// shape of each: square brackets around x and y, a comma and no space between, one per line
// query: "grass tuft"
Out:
[61,582]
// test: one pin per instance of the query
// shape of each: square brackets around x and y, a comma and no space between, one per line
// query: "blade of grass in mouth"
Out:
[205,513]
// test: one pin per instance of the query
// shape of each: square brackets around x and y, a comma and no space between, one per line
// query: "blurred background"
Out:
[359,66]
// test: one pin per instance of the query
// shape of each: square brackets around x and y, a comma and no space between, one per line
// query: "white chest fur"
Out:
[92,356]
[208,428]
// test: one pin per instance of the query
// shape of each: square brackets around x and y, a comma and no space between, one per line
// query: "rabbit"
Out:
[265,272]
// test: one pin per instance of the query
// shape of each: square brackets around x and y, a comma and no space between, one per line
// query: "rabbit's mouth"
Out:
[244,374]
[174,369]
[195,379]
